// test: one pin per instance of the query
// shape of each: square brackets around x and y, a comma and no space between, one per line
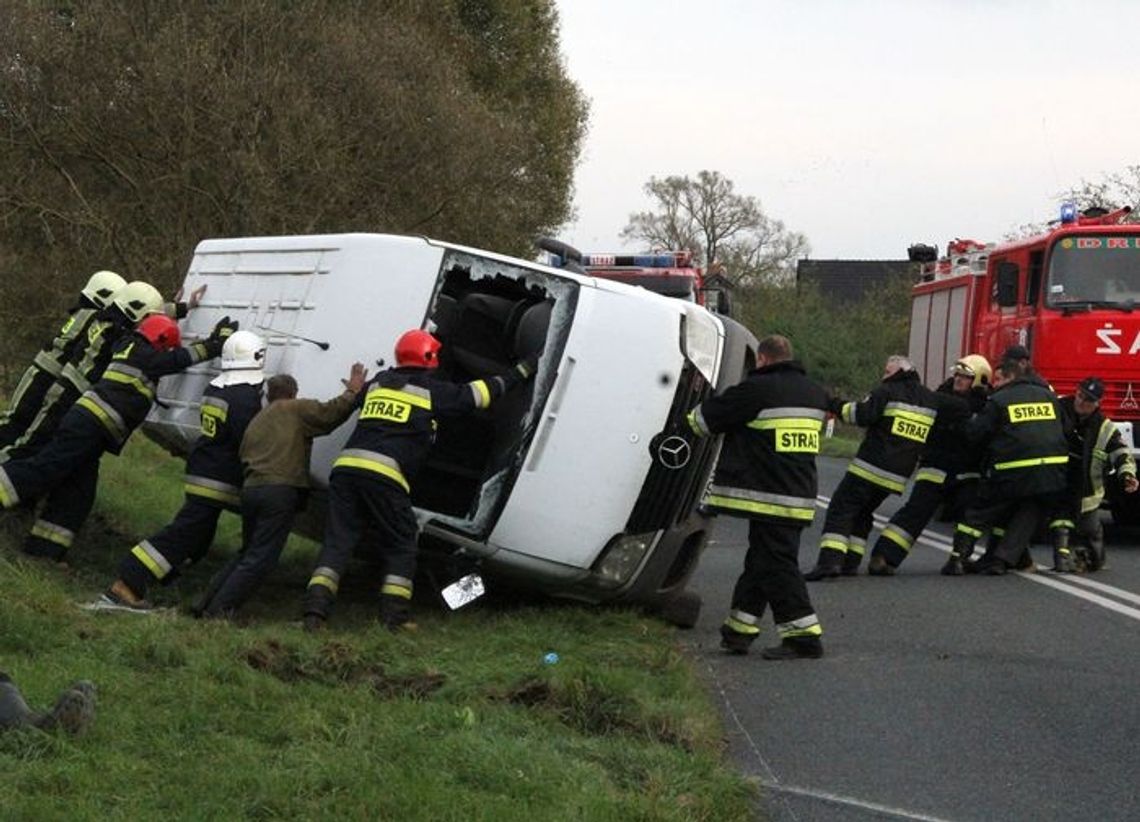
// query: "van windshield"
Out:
[1094,272]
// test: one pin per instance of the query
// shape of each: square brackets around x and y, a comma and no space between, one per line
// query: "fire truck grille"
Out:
[670,494]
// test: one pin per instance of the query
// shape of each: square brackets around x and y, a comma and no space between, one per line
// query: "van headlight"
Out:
[701,342]
[622,557]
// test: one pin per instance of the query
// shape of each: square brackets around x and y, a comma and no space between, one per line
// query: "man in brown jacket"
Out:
[275,452]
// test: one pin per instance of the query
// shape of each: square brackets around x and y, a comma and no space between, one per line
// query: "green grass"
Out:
[843,443]
[460,720]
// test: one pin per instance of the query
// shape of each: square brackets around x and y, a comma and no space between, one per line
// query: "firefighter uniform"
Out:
[1094,446]
[101,420]
[23,418]
[275,453]
[371,482]
[1021,431]
[766,473]
[84,365]
[212,484]
[948,474]
[898,415]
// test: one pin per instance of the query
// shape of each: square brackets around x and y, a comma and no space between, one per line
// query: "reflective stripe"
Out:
[481,393]
[760,502]
[213,489]
[374,462]
[53,533]
[934,475]
[836,542]
[804,626]
[898,536]
[154,561]
[411,394]
[914,413]
[217,402]
[46,362]
[697,422]
[857,546]
[1061,523]
[8,496]
[1031,463]
[877,476]
[792,412]
[739,627]
[103,412]
[963,528]
[77,380]
[198,353]
[847,413]
[395,586]
[968,475]
[996,531]
[129,375]
[325,577]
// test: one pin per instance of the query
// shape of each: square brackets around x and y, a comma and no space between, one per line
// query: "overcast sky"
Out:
[867,125]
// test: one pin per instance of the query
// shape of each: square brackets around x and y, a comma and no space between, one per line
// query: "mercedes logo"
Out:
[674,453]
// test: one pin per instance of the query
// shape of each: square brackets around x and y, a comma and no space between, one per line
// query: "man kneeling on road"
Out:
[766,473]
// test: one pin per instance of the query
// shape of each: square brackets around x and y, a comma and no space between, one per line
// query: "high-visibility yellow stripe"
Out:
[53,533]
[113,425]
[152,565]
[932,475]
[418,400]
[213,493]
[134,382]
[799,514]
[786,422]
[1031,463]
[394,590]
[889,484]
[898,538]
[482,393]
[966,529]
[741,627]
[375,467]
[326,582]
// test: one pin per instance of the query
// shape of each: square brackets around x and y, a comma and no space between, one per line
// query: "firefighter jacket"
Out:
[86,362]
[123,396]
[213,468]
[771,422]
[947,456]
[898,415]
[1095,445]
[72,337]
[397,420]
[1024,438]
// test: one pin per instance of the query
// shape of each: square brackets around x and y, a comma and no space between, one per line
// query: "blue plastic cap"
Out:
[1068,212]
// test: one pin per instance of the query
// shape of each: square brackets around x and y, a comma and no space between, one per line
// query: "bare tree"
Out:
[708,217]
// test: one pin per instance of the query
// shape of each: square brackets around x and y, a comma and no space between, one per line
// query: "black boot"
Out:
[851,562]
[1062,557]
[879,567]
[735,642]
[797,647]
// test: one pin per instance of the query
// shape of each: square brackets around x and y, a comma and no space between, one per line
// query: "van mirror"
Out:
[1005,287]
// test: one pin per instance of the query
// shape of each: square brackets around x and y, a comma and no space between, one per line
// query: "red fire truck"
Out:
[672,273]
[1070,295]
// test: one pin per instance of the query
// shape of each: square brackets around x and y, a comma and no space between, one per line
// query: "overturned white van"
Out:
[582,484]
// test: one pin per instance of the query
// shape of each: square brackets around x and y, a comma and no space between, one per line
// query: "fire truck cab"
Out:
[1069,295]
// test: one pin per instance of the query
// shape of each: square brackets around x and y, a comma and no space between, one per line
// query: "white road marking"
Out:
[837,799]
[1071,585]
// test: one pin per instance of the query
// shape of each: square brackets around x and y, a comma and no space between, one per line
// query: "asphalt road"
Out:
[957,698]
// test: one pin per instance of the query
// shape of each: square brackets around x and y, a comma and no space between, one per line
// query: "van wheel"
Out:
[683,609]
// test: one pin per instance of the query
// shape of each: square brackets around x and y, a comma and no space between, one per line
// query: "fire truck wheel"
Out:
[682,609]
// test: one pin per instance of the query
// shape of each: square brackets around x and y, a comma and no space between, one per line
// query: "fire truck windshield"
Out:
[1094,272]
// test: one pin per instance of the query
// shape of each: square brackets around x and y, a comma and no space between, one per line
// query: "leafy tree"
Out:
[1112,190]
[129,131]
[707,216]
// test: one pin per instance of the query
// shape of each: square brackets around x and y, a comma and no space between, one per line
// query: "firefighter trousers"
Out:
[267,514]
[66,471]
[772,578]
[185,540]
[43,426]
[848,523]
[22,409]
[905,527]
[998,509]
[360,505]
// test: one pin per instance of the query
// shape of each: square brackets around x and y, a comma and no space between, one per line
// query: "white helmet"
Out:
[137,299]
[243,360]
[101,287]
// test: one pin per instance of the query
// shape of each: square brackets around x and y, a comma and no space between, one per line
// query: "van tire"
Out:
[683,609]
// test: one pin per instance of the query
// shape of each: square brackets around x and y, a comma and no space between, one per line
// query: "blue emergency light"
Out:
[1068,213]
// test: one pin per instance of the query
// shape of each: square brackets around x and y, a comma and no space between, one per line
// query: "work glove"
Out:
[224,328]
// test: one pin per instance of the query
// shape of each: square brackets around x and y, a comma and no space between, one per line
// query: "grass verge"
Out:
[460,720]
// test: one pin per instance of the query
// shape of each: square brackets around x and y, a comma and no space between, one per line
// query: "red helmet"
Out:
[160,331]
[418,348]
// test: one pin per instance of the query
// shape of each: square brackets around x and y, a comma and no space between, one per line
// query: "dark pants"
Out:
[185,540]
[39,432]
[267,513]
[997,506]
[361,505]
[849,520]
[906,526]
[25,404]
[772,578]
[67,471]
